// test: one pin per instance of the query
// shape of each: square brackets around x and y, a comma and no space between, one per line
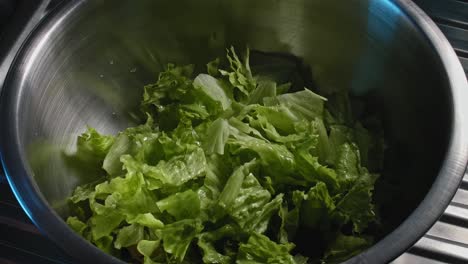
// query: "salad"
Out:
[241,164]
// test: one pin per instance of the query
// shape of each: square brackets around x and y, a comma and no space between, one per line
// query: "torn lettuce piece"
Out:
[213,90]
[217,174]
[174,172]
[316,207]
[83,193]
[357,206]
[280,116]
[105,244]
[252,208]
[276,159]
[348,163]
[241,76]
[181,205]
[91,150]
[147,220]
[234,184]
[77,225]
[290,217]
[216,136]
[177,237]
[212,67]
[147,249]
[104,223]
[188,113]
[345,247]
[112,163]
[93,147]
[139,141]
[304,104]
[260,249]
[310,167]
[128,236]
[127,195]
[238,127]
[207,240]
[173,83]
[264,89]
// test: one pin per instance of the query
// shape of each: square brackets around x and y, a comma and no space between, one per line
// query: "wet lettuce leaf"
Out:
[178,236]
[344,247]
[231,166]
[260,249]
[207,243]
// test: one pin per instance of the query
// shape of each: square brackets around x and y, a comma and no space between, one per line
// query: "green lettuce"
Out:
[260,249]
[236,165]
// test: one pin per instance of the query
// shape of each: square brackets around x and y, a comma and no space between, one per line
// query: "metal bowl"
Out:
[87,61]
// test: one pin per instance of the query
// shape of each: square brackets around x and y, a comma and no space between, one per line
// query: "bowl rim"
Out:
[391,246]
[454,164]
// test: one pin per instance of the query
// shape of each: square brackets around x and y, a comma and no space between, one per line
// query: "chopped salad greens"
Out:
[235,165]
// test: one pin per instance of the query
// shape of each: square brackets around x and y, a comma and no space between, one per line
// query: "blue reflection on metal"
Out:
[391,4]
[383,17]
[16,193]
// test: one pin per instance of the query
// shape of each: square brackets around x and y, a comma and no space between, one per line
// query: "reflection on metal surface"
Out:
[409,258]
[447,241]
[435,246]
[10,40]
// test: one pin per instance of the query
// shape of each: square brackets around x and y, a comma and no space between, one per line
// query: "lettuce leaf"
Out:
[345,247]
[216,136]
[241,76]
[177,237]
[207,240]
[253,207]
[260,249]
[213,90]
[181,205]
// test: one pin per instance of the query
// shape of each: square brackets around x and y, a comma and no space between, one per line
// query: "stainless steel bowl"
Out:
[87,61]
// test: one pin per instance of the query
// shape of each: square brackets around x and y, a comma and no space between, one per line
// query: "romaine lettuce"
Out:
[230,167]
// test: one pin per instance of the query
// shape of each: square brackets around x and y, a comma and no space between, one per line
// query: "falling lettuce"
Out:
[230,167]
